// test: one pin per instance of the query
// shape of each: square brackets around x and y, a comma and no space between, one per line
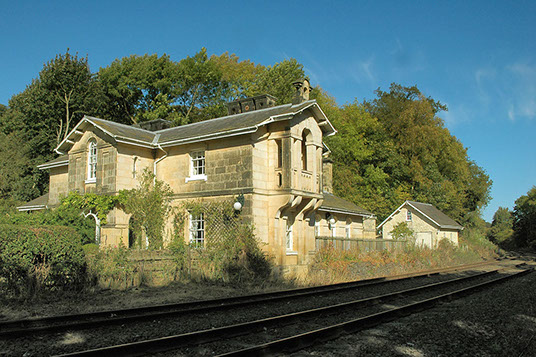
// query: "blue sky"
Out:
[477,57]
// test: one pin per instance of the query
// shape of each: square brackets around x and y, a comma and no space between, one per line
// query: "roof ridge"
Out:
[224,117]
[121,124]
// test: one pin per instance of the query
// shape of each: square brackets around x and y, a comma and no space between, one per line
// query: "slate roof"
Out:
[229,125]
[436,215]
[333,203]
[432,213]
[59,161]
[35,204]
[123,130]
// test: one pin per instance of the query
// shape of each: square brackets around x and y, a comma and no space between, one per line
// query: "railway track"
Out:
[53,324]
[291,332]
[301,298]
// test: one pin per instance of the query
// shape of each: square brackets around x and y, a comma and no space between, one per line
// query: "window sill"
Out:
[196,178]
[291,252]
[91,181]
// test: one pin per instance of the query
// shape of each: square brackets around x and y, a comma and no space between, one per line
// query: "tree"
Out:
[44,113]
[150,207]
[402,231]
[395,148]
[525,220]
[277,80]
[139,88]
[501,226]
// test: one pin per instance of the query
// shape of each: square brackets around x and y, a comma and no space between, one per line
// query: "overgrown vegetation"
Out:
[231,252]
[334,265]
[150,207]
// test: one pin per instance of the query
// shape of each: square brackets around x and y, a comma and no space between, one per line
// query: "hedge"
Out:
[42,257]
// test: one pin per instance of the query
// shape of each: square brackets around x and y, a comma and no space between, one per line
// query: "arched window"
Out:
[92,161]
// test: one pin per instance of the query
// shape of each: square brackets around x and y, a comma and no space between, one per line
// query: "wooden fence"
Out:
[356,244]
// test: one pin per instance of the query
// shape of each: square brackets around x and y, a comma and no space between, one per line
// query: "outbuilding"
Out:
[429,224]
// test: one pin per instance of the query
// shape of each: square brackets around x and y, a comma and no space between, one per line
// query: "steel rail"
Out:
[307,339]
[198,337]
[24,327]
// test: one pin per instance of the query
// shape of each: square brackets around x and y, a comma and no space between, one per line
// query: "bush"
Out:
[44,257]
[110,266]
[61,216]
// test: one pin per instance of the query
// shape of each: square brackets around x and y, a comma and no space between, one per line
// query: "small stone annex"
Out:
[429,224]
[274,156]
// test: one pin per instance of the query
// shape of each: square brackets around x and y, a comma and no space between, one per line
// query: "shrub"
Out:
[61,216]
[44,257]
[110,265]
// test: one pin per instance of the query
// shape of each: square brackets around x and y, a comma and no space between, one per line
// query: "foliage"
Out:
[277,80]
[402,231]
[149,205]
[138,88]
[525,220]
[43,257]
[231,252]
[395,148]
[332,265]
[91,202]
[109,265]
[42,115]
[502,226]
[61,216]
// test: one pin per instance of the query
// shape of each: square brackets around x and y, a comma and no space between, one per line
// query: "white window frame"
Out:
[289,237]
[197,166]
[348,230]
[92,162]
[409,216]
[197,230]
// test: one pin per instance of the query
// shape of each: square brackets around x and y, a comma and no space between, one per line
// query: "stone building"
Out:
[272,155]
[429,224]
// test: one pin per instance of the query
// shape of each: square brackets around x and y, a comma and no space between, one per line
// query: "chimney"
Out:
[303,88]
[155,125]
[251,103]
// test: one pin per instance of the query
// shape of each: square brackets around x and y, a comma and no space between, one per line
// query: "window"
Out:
[333,230]
[197,166]
[408,216]
[92,161]
[304,151]
[289,238]
[348,230]
[197,229]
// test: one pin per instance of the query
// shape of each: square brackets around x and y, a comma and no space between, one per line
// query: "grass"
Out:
[331,266]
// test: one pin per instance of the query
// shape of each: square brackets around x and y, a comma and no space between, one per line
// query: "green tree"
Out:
[277,80]
[525,220]
[149,205]
[402,231]
[44,113]
[138,88]
[501,228]
[395,148]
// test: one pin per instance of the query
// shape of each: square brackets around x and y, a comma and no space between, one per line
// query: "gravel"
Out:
[500,321]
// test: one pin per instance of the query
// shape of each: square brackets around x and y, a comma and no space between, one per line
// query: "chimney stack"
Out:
[303,88]
[251,103]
